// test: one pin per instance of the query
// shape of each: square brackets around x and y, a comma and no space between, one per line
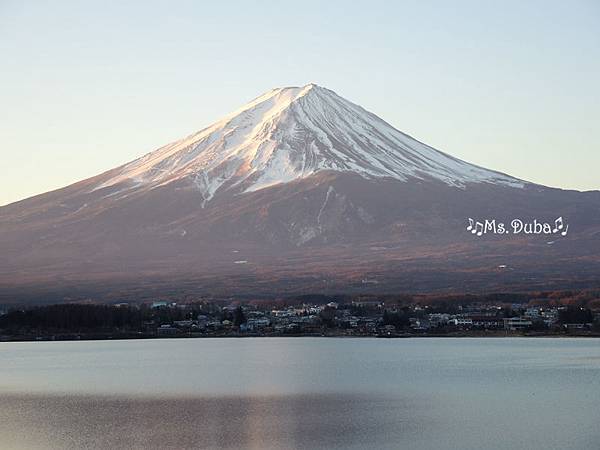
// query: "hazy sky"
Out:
[86,86]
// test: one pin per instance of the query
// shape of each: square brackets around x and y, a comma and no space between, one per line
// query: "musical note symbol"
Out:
[558,225]
[564,232]
[478,229]
[470,227]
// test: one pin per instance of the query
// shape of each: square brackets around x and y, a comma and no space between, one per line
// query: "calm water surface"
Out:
[304,393]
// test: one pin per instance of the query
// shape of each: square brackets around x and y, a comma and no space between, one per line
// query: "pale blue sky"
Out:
[86,86]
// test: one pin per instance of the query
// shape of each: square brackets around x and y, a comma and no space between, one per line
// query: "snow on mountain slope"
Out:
[291,133]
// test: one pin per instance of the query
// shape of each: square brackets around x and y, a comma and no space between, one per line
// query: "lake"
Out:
[301,393]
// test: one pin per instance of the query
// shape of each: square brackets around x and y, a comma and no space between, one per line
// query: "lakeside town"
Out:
[357,317]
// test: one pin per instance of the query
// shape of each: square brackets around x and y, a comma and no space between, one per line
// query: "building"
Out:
[253,325]
[159,304]
[461,322]
[167,330]
[577,326]
[517,323]
[487,322]
[438,319]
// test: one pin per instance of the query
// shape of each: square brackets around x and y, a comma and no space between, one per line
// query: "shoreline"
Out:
[133,337]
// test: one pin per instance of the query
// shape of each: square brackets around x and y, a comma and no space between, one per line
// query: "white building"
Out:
[516,323]
[461,322]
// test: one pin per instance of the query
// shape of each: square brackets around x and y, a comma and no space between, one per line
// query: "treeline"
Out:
[81,318]
[589,298]
[575,315]
[73,317]
[92,317]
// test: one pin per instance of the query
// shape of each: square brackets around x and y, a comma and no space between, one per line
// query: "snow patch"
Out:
[330,191]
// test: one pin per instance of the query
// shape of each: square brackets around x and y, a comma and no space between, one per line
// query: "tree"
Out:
[398,319]
[238,316]
[327,316]
[575,315]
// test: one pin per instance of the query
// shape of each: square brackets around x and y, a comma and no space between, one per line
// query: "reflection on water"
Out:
[301,393]
[323,421]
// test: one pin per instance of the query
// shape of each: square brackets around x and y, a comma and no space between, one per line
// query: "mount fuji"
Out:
[299,190]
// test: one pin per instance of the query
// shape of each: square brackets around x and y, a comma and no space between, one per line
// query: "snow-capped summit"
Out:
[290,133]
